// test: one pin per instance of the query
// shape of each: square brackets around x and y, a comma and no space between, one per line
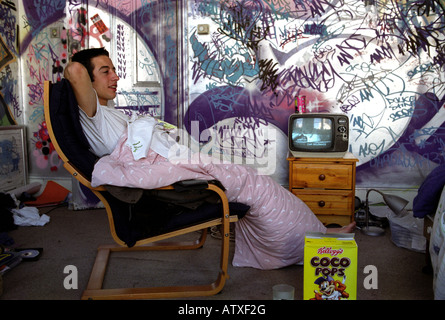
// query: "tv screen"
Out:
[312,134]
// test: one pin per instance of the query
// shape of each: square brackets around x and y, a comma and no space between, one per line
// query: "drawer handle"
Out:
[321,203]
[321,177]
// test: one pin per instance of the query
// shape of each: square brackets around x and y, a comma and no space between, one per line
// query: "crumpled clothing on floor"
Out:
[29,216]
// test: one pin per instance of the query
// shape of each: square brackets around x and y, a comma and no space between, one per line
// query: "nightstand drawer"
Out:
[322,176]
[326,202]
[326,185]
[334,219]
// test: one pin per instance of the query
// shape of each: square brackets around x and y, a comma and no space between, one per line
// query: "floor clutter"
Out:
[19,208]
[58,245]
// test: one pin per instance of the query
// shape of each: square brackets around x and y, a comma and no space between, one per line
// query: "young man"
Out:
[93,78]
[271,235]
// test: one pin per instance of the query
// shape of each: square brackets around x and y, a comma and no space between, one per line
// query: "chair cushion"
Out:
[64,113]
[135,222]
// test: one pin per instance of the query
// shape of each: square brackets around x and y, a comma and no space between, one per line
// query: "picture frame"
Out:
[13,157]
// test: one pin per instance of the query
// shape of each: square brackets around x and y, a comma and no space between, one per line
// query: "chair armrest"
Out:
[81,177]
[196,184]
[190,185]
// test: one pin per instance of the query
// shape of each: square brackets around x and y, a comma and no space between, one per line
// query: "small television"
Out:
[323,135]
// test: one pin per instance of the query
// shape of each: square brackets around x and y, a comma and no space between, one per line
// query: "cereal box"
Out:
[330,267]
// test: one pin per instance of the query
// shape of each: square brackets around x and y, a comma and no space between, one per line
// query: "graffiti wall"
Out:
[49,32]
[229,73]
[380,62]
[10,108]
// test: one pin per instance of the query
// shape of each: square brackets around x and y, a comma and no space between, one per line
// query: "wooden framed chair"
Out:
[62,121]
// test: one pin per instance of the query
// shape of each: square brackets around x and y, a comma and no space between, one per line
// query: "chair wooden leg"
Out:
[170,245]
[94,288]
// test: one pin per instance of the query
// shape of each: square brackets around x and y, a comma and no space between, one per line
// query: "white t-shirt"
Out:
[104,129]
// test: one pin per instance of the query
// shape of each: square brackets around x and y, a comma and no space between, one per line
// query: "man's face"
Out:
[105,79]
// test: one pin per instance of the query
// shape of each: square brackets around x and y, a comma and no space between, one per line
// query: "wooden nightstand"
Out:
[326,185]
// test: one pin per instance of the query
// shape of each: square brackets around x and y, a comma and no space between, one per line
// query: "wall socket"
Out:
[203,29]
[55,33]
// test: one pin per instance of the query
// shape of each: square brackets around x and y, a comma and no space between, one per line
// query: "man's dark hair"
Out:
[84,57]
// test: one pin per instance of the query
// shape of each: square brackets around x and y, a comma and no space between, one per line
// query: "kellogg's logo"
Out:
[330,251]
[330,266]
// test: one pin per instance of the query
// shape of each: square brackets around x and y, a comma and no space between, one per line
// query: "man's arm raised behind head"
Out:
[80,81]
